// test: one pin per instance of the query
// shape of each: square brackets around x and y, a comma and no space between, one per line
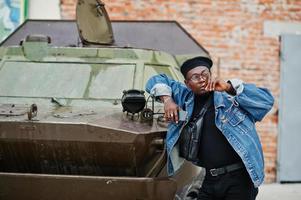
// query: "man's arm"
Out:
[170,108]
[161,84]
[256,101]
[172,93]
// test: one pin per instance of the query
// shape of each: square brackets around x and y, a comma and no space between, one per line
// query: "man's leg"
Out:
[242,192]
[208,189]
[203,195]
[240,187]
[235,185]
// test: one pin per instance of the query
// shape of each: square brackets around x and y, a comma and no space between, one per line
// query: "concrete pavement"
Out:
[277,191]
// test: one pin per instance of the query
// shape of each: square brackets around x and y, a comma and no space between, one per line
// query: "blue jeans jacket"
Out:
[235,116]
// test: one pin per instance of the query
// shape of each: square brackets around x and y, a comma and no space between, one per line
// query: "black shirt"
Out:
[215,150]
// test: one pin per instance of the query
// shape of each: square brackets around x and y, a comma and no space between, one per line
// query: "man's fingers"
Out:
[166,114]
[176,117]
[206,86]
[213,85]
[171,111]
[172,115]
[210,86]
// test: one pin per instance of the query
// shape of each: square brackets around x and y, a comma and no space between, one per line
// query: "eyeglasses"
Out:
[200,77]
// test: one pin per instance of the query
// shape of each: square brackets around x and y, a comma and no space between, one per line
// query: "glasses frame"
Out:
[198,77]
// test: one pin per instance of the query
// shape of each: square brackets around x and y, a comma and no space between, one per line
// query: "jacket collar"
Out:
[218,100]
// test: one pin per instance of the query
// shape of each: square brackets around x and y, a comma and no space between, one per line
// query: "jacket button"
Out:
[223,118]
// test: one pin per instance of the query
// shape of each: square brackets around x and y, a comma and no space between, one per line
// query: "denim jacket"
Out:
[235,117]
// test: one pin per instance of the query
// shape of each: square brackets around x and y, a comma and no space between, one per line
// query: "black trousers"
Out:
[236,185]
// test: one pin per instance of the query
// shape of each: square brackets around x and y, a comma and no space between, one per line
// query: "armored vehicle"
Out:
[75,122]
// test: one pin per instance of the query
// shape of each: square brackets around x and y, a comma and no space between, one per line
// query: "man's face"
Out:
[197,79]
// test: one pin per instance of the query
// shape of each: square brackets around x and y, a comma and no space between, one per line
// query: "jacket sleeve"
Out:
[255,100]
[161,84]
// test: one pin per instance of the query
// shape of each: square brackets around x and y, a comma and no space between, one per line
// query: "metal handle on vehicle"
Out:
[33,111]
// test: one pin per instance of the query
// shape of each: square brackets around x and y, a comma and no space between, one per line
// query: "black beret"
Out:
[195,62]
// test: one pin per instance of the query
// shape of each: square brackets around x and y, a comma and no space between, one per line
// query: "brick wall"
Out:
[232,31]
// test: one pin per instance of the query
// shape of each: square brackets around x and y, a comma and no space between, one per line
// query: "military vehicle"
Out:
[75,122]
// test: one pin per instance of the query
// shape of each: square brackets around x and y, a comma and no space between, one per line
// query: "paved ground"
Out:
[277,191]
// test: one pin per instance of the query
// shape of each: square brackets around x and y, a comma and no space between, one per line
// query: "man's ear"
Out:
[186,83]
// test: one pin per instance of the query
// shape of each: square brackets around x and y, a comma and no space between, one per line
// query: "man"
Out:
[230,148]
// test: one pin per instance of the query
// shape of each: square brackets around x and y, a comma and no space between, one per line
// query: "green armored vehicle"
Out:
[75,122]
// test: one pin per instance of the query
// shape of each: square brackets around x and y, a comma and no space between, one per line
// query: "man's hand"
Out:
[170,109]
[219,85]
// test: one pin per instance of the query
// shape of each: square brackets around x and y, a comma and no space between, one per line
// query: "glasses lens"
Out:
[198,77]
[195,78]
